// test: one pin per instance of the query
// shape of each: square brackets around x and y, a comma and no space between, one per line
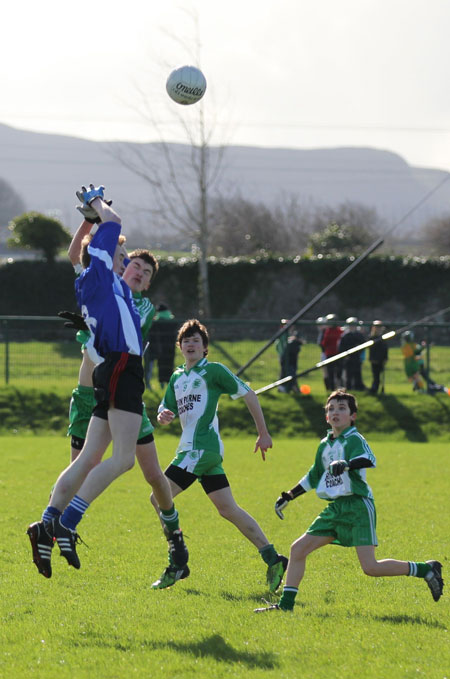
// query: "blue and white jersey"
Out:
[105,299]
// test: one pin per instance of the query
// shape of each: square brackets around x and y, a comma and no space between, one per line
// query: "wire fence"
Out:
[38,351]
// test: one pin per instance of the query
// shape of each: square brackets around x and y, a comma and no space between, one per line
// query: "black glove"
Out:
[338,467]
[281,503]
[74,321]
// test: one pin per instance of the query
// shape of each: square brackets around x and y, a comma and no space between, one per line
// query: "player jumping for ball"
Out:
[115,326]
[339,476]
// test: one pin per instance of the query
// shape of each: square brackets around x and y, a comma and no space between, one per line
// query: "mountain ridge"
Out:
[46,170]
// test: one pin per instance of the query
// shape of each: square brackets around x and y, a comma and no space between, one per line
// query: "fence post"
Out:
[5,324]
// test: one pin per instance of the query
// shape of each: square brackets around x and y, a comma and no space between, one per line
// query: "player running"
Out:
[339,476]
[193,394]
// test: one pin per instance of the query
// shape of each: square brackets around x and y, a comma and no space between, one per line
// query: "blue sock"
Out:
[74,512]
[50,513]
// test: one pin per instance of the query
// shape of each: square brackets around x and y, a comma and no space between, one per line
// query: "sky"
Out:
[281,73]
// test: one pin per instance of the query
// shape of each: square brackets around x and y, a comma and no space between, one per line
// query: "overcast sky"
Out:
[284,73]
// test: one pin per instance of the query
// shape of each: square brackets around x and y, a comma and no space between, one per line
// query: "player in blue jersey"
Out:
[114,323]
[138,274]
[339,477]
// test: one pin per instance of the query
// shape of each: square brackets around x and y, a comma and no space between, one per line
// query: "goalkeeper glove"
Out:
[88,212]
[74,321]
[87,196]
[338,467]
[281,503]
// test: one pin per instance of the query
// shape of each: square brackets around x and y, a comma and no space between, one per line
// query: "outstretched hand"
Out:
[86,196]
[263,443]
[73,320]
[281,503]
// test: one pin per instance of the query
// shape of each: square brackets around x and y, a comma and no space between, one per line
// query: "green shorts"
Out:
[199,462]
[351,520]
[80,410]
[412,366]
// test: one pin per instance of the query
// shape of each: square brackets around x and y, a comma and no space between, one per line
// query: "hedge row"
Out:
[390,287]
[412,418]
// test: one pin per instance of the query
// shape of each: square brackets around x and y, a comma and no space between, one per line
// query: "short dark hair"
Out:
[342,395]
[85,257]
[148,257]
[191,327]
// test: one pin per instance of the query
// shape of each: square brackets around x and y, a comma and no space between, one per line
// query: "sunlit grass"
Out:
[56,364]
[105,621]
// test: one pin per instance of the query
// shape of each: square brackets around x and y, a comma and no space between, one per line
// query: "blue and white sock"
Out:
[49,514]
[74,512]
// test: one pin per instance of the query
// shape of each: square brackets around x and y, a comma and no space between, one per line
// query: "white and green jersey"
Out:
[348,446]
[193,395]
[146,312]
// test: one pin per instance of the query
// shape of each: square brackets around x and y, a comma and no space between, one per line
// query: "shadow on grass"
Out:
[397,619]
[256,599]
[213,646]
[409,620]
[312,412]
[404,417]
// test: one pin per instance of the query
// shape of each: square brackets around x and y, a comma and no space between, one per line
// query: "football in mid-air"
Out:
[186,85]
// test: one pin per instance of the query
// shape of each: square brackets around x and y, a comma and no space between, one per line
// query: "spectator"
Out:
[352,337]
[162,340]
[321,325]
[330,341]
[378,356]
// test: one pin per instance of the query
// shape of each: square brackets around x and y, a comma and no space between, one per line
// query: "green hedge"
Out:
[412,417]
[393,287]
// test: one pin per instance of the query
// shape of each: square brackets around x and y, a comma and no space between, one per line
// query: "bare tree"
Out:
[437,235]
[247,228]
[180,176]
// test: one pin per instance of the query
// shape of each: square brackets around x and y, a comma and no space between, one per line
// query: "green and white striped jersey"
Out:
[193,395]
[146,312]
[348,446]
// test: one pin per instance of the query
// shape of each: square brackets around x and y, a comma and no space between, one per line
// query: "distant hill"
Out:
[46,170]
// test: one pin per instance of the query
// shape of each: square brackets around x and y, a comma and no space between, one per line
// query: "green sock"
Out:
[170,518]
[288,598]
[269,554]
[418,569]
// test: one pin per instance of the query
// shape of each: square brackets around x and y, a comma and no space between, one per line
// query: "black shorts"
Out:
[184,479]
[77,443]
[118,383]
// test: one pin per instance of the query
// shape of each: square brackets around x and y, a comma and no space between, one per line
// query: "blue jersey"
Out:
[105,299]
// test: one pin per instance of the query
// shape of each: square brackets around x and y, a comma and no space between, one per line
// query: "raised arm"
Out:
[75,246]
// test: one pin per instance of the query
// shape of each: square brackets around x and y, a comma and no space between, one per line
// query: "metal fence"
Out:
[37,351]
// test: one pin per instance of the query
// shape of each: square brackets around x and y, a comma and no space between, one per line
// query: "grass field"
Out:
[57,364]
[105,621]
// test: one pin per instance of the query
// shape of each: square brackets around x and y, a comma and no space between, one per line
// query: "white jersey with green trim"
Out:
[193,395]
[146,311]
[348,446]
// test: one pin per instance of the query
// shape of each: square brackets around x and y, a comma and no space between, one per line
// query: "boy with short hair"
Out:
[193,393]
[339,476]
[114,322]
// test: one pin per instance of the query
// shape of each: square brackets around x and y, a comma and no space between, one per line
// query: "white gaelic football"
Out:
[186,85]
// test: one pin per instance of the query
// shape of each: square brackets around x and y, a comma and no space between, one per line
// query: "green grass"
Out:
[57,363]
[104,621]
[405,416]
